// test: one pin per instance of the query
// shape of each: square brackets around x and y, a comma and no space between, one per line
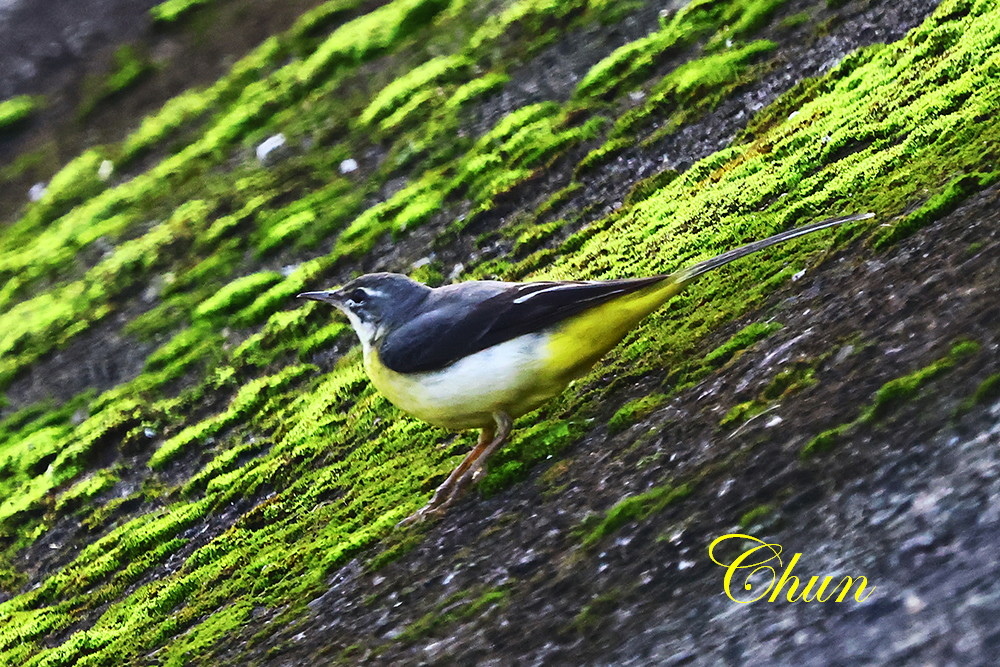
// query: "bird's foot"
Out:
[426,512]
[443,498]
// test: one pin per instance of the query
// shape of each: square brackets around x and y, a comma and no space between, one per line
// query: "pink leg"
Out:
[451,489]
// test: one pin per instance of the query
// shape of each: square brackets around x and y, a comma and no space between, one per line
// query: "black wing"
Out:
[456,323]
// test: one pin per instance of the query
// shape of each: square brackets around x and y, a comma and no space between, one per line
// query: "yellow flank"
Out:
[576,344]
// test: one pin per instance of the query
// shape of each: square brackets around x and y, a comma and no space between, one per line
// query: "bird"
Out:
[478,354]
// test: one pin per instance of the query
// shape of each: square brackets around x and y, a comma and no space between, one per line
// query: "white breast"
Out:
[507,377]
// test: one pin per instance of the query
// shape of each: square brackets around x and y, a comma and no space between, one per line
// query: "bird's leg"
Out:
[503,424]
[444,492]
[489,440]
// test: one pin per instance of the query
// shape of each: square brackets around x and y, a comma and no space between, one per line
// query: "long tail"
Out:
[686,275]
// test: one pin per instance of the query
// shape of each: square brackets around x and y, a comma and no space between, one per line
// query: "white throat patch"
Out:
[365,330]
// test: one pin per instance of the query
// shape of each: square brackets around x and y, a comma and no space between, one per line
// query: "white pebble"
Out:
[105,170]
[270,145]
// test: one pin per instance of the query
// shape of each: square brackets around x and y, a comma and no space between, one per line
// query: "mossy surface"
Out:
[173,10]
[634,508]
[15,110]
[267,460]
[634,411]
[892,395]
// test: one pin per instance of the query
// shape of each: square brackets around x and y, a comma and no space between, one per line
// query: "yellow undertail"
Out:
[579,342]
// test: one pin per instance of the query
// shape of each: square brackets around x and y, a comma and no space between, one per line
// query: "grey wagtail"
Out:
[479,354]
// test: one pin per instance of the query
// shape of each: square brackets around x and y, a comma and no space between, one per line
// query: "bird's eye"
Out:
[356,295]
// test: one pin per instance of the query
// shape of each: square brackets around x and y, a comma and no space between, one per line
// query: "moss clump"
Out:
[789,381]
[740,341]
[936,206]
[988,390]
[602,154]
[754,515]
[795,20]
[895,392]
[742,412]
[537,234]
[16,109]
[128,68]
[172,10]
[367,36]
[826,440]
[250,397]
[648,186]
[635,59]
[634,411]
[454,610]
[785,383]
[595,613]
[891,395]
[394,98]
[628,64]
[632,509]
[235,295]
[695,87]
[315,21]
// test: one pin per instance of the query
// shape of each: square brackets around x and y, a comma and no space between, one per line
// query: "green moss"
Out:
[602,154]
[595,613]
[16,109]
[468,92]
[632,509]
[742,412]
[740,341]
[129,67]
[535,235]
[825,440]
[235,295]
[795,20]
[635,411]
[172,10]
[754,515]
[785,383]
[789,381]
[893,394]
[535,442]
[629,64]
[453,611]
[319,19]
[250,397]
[86,489]
[936,207]
[394,97]
[558,198]
[648,186]
[903,389]
[691,89]
[987,391]
[367,36]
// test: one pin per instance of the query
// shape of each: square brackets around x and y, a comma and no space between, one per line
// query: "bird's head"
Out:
[375,303]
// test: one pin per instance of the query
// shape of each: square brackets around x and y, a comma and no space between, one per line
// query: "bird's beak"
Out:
[331,297]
